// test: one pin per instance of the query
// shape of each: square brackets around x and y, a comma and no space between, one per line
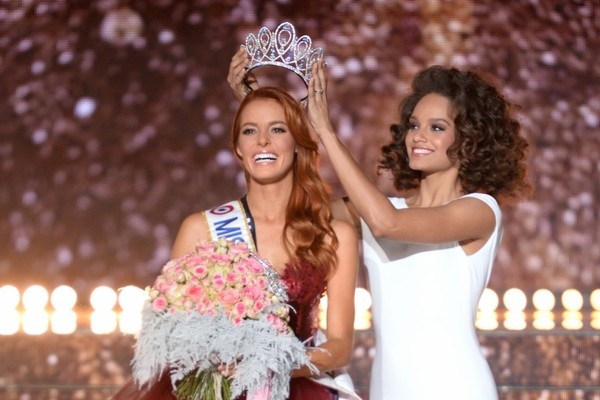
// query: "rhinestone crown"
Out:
[283,49]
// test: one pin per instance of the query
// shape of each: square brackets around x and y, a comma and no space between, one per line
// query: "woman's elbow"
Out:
[379,229]
[344,359]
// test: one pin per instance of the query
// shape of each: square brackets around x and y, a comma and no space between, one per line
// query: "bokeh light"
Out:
[488,301]
[35,298]
[514,299]
[103,298]
[595,299]
[63,298]
[35,321]
[9,297]
[132,298]
[543,300]
[572,300]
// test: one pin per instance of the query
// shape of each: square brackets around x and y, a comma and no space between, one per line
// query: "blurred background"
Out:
[115,119]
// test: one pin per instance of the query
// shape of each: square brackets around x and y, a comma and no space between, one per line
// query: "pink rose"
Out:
[200,307]
[252,293]
[229,296]
[211,312]
[200,271]
[279,324]
[205,247]
[240,308]
[231,277]
[239,250]
[218,281]
[258,306]
[222,259]
[262,282]
[169,265]
[195,292]
[240,268]
[254,266]
[159,303]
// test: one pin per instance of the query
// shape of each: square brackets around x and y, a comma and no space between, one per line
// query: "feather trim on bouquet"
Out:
[218,305]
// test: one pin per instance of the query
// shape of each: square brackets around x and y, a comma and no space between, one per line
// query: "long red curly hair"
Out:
[308,214]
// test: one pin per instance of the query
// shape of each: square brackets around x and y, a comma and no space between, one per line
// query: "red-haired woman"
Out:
[290,224]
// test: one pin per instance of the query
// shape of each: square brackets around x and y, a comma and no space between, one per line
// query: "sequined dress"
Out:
[305,286]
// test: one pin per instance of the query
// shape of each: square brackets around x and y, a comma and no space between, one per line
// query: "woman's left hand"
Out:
[318,112]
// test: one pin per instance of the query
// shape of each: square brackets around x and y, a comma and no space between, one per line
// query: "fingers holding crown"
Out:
[238,77]
[317,86]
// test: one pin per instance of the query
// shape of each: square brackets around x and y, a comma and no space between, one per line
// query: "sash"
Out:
[229,221]
[232,222]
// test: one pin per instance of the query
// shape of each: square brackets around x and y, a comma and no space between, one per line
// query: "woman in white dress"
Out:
[457,152]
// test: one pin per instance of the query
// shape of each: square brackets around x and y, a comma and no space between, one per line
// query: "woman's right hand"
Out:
[237,72]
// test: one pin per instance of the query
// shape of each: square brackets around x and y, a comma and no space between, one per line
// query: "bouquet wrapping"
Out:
[219,304]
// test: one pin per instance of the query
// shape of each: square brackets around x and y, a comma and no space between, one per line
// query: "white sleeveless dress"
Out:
[424,307]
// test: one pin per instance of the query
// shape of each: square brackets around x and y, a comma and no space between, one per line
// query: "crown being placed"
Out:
[283,49]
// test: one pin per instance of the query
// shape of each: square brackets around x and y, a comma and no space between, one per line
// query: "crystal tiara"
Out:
[282,48]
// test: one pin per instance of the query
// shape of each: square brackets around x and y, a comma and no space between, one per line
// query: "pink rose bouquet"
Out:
[220,304]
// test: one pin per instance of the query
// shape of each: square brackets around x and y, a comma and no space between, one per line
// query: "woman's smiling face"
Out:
[265,144]
[430,134]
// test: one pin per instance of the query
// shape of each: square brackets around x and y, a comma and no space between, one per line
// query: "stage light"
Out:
[35,321]
[63,298]
[595,314]
[543,320]
[543,300]
[572,300]
[103,298]
[595,299]
[63,322]
[362,299]
[514,300]
[130,322]
[103,322]
[572,320]
[323,312]
[488,301]
[515,320]
[487,317]
[9,297]
[9,323]
[132,298]
[362,304]
[486,320]
[595,320]
[35,298]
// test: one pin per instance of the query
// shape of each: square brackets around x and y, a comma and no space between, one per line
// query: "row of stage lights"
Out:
[35,319]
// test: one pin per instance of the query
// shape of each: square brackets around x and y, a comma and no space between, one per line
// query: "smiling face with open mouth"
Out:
[265,145]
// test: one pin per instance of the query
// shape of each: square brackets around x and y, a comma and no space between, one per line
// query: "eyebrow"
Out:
[432,119]
[270,123]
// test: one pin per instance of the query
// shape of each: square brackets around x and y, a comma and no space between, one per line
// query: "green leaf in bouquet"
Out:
[208,384]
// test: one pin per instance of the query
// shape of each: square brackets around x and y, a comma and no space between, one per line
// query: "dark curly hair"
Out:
[489,147]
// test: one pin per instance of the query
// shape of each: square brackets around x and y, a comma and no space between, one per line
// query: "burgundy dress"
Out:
[305,285]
